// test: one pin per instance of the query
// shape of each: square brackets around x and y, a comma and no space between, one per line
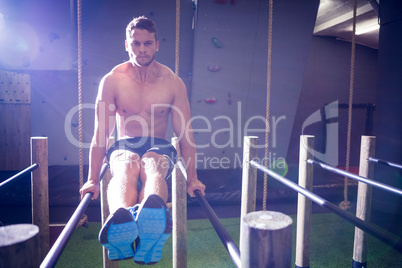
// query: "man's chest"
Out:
[144,100]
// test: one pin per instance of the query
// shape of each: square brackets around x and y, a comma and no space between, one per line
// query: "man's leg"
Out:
[122,190]
[153,219]
[120,229]
[154,168]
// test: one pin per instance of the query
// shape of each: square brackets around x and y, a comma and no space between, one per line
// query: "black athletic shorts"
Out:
[142,145]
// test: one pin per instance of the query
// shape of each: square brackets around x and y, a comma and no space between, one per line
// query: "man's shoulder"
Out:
[113,77]
[163,70]
[119,70]
[167,74]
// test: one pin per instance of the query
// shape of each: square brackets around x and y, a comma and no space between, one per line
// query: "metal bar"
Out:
[19,174]
[227,241]
[55,252]
[356,177]
[396,243]
[386,163]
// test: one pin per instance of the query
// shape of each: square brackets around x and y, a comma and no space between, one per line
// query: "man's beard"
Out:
[147,63]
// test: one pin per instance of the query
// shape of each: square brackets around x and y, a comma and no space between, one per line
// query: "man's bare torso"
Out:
[143,105]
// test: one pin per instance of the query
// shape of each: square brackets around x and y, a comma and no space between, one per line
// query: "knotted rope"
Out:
[345,203]
[267,111]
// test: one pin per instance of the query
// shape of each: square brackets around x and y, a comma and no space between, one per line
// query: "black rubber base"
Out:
[357,264]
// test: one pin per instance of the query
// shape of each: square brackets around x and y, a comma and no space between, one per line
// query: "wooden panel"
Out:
[15,88]
[15,121]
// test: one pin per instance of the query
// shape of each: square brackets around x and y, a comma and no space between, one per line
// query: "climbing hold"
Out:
[229,99]
[210,100]
[213,68]
[53,36]
[26,62]
[216,43]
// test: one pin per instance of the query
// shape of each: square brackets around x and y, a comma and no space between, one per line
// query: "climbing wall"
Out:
[15,120]
[229,83]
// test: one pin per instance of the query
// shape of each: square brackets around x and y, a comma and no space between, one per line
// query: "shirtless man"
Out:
[139,96]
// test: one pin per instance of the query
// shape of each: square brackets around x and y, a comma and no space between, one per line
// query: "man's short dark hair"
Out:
[142,23]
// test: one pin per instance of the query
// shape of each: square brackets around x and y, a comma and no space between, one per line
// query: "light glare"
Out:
[368,29]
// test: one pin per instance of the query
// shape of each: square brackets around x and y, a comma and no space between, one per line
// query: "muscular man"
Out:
[139,96]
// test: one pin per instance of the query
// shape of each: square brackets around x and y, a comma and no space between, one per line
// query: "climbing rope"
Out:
[345,203]
[79,38]
[265,193]
[169,205]
[84,218]
[177,37]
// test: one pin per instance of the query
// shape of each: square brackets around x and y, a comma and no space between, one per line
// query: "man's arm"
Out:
[181,125]
[104,124]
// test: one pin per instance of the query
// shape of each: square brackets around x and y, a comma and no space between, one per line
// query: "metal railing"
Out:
[57,249]
[396,243]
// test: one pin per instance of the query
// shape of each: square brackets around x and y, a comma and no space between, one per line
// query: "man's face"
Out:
[141,47]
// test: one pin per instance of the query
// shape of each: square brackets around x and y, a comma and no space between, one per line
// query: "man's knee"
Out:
[125,162]
[154,164]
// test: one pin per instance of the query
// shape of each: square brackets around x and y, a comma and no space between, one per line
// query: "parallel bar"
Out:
[227,241]
[376,232]
[356,177]
[40,191]
[107,263]
[304,205]
[364,197]
[19,174]
[55,252]
[179,213]
[249,179]
[384,162]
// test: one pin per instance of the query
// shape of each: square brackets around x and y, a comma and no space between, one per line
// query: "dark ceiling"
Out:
[335,18]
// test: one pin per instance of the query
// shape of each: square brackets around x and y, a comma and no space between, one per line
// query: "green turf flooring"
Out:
[331,246]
